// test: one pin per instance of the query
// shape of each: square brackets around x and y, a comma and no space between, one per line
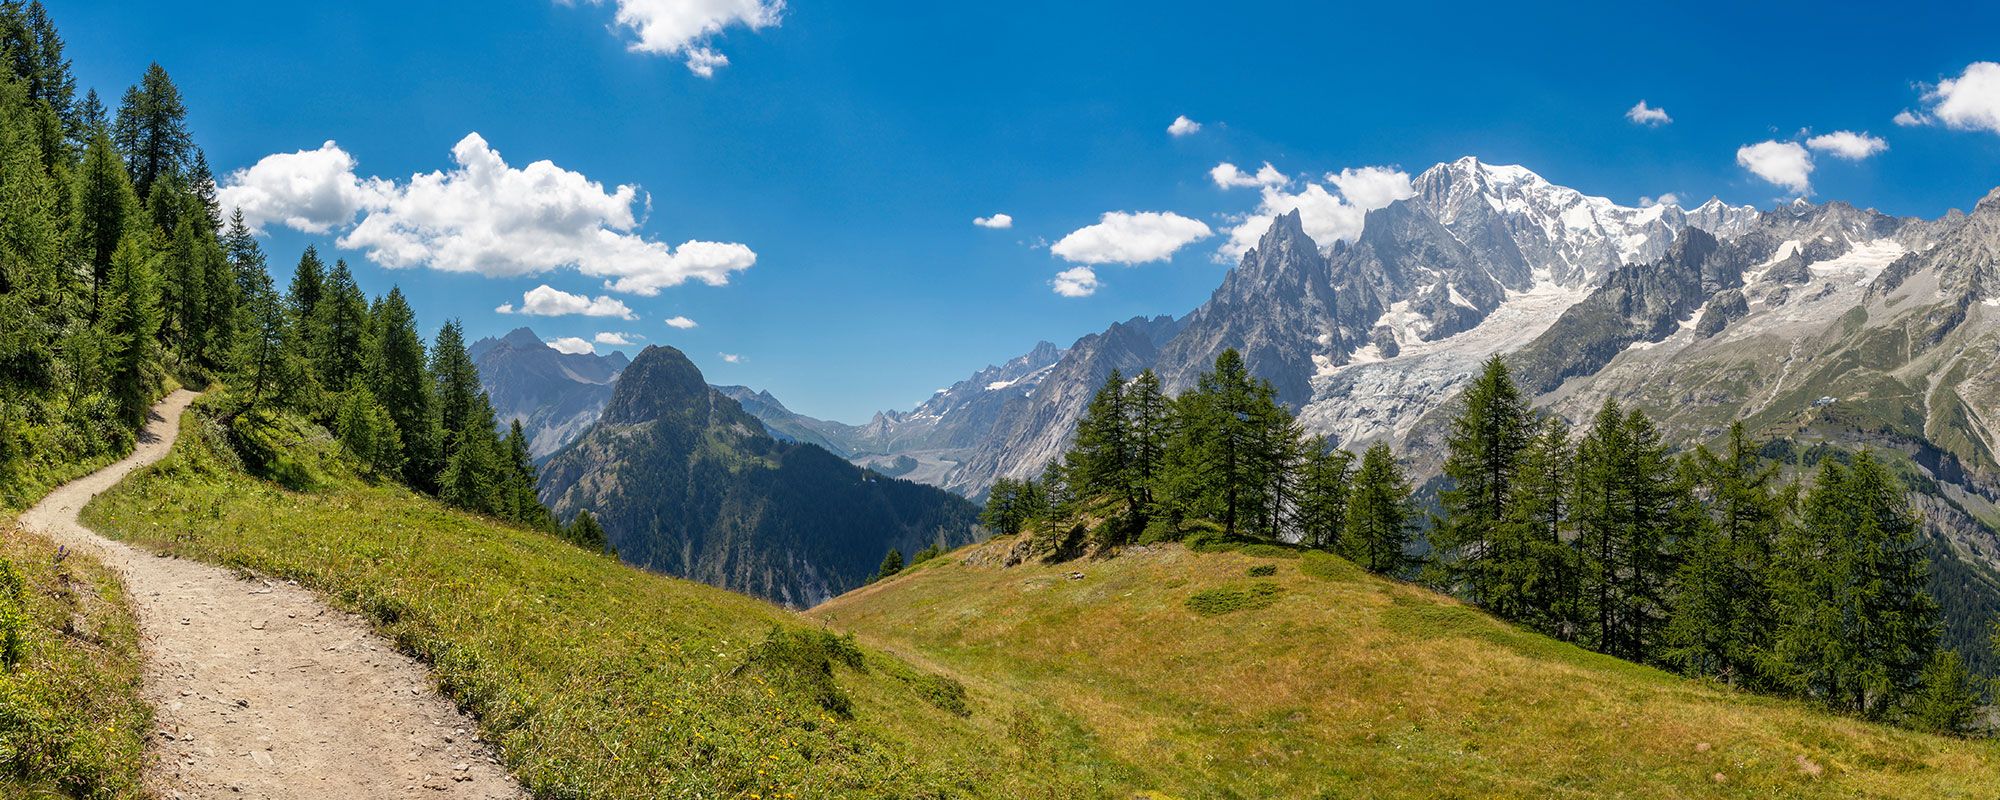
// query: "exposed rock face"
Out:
[554,395]
[1725,307]
[684,481]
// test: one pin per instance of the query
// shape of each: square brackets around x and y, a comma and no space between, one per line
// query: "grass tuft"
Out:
[1216,602]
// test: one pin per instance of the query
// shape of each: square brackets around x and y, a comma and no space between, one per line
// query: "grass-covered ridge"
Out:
[592,678]
[1351,685]
[72,723]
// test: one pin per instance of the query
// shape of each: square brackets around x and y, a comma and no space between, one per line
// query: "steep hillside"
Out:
[554,395]
[685,482]
[1318,680]
[591,678]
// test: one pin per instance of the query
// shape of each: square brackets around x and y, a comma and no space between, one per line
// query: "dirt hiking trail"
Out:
[262,691]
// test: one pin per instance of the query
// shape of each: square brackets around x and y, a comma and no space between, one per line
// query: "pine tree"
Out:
[1149,411]
[267,332]
[367,432]
[103,209]
[891,564]
[340,327]
[1543,585]
[1379,517]
[1630,504]
[520,503]
[245,257]
[50,79]
[92,119]
[1856,624]
[1100,459]
[400,379]
[1323,492]
[130,322]
[1278,453]
[585,532]
[152,130]
[308,285]
[1944,702]
[1483,455]
[458,392]
[1007,506]
[1215,468]
[1721,623]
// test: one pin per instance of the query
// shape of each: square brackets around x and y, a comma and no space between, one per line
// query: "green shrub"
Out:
[800,661]
[1160,529]
[945,693]
[1263,570]
[1216,602]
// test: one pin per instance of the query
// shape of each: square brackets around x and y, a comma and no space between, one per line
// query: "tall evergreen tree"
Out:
[1482,457]
[245,257]
[340,326]
[1542,584]
[1323,492]
[400,379]
[130,323]
[308,284]
[103,209]
[1100,459]
[586,533]
[1149,410]
[1721,623]
[1379,517]
[458,392]
[1857,626]
[152,130]
[1944,702]
[267,332]
[92,118]
[1630,502]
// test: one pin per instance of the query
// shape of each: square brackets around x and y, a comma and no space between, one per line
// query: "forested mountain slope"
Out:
[685,482]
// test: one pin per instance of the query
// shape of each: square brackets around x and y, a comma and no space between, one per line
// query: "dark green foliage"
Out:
[1944,701]
[1629,504]
[1379,516]
[801,661]
[1475,554]
[926,554]
[152,130]
[1263,570]
[1216,602]
[1323,489]
[1010,505]
[129,325]
[1721,624]
[585,532]
[368,433]
[1856,625]
[103,205]
[891,564]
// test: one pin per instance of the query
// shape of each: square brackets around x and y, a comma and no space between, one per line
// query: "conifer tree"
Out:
[891,564]
[1149,411]
[1379,517]
[1278,454]
[92,119]
[367,432]
[399,377]
[1542,585]
[245,257]
[152,130]
[520,502]
[586,533]
[308,284]
[1483,454]
[1323,492]
[1008,506]
[1721,623]
[129,324]
[458,392]
[265,343]
[103,207]
[340,325]
[1944,702]
[1100,459]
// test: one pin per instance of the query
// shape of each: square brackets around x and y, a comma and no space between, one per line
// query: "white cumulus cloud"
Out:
[1326,216]
[1229,176]
[1848,144]
[487,217]
[998,221]
[685,28]
[731,358]
[1667,199]
[1970,101]
[1075,282]
[1908,119]
[682,323]
[1183,126]
[1125,238]
[548,301]
[617,339]
[572,345]
[1786,164]
[312,191]
[1643,114]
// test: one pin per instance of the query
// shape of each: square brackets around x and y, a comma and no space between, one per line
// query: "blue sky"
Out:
[850,146]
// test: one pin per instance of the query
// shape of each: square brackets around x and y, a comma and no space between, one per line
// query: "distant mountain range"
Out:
[1819,323]
[554,395]
[686,482]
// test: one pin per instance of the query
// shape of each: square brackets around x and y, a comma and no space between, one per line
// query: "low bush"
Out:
[1263,570]
[1216,602]
[800,661]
